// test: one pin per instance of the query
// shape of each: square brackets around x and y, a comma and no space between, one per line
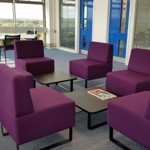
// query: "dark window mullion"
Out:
[7,1]
[30,2]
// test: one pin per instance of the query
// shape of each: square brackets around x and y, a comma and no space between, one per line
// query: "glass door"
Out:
[67,24]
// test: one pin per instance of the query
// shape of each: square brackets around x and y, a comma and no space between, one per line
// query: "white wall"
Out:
[131,29]
[47,10]
[50,22]
[100,20]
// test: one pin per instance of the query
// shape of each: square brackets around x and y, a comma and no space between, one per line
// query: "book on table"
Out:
[102,94]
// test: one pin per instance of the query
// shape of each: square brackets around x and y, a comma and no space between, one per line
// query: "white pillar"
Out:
[50,7]
[101,20]
[131,29]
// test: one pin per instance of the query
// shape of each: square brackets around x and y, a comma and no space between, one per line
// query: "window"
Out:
[142,25]
[123,16]
[23,15]
[26,18]
[6,18]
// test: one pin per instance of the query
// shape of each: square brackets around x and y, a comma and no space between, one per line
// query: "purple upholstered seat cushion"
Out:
[140,61]
[127,81]
[101,52]
[89,68]
[37,65]
[29,48]
[47,103]
[127,115]
[15,96]
[147,114]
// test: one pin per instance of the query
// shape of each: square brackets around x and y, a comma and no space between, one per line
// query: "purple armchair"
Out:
[29,55]
[130,115]
[97,64]
[31,113]
[135,78]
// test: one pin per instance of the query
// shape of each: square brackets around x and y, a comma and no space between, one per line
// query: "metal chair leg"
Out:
[61,142]
[70,134]
[17,147]
[0,54]
[86,83]
[2,131]
[116,141]
[5,57]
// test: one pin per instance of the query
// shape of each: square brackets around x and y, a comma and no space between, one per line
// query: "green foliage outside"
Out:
[23,23]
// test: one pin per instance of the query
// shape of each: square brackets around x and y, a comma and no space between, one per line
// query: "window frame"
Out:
[15,28]
[30,2]
[7,1]
[26,2]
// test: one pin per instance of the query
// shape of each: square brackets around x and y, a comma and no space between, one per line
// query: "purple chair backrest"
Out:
[29,48]
[101,52]
[140,61]
[14,92]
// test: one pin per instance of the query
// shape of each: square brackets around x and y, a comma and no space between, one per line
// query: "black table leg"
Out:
[90,126]
[71,85]
[47,85]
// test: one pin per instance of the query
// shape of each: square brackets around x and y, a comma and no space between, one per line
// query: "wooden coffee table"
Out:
[55,78]
[89,103]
